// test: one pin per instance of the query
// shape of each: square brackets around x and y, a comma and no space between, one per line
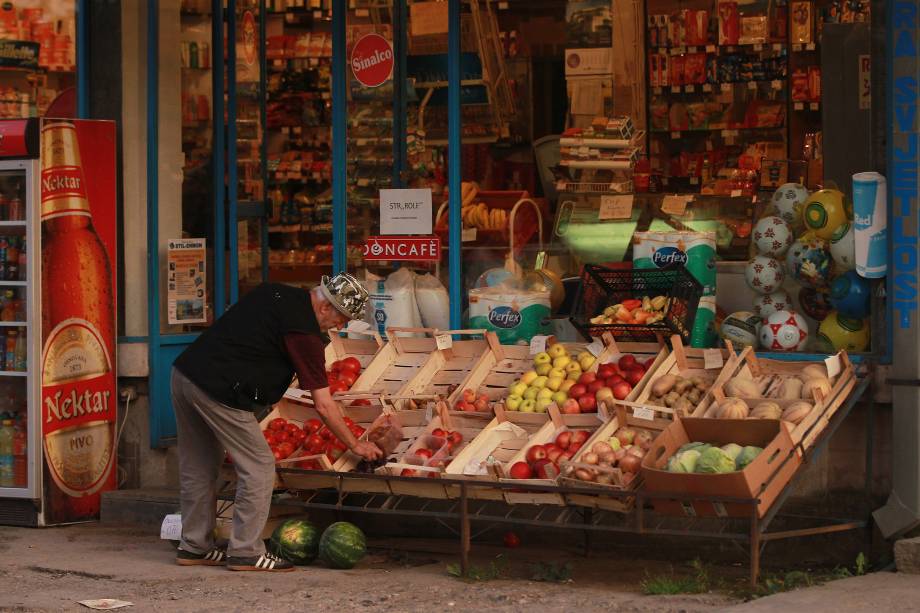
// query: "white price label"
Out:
[602,413]
[644,413]
[690,89]
[171,528]
[429,413]
[758,47]
[444,341]
[833,365]
[726,87]
[595,347]
[710,48]
[675,204]
[675,134]
[712,358]
[538,344]
[707,88]
[357,325]
[736,193]
[752,85]
[468,235]
[675,89]
[616,207]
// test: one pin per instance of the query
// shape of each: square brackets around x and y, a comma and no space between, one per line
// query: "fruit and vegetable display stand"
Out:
[678,442]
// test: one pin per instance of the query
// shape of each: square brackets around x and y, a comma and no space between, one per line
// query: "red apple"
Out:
[587,378]
[482,403]
[554,454]
[627,361]
[595,385]
[578,390]
[574,447]
[536,452]
[587,404]
[549,447]
[567,454]
[469,395]
[463,405]
[409,472]
[626,435]
[649,362]
[570,406]
[521,470]
[634,375]
[439,432]
[454,438]
[564,439]
[580,436]
[605,371]
[424,453]
[621,390]
[545,469]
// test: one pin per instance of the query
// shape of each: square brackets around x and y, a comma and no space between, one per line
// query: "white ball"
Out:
[764,274]
[772,236]
[843,247]
[741,328]
[787,201]
[784,331]
[767,304]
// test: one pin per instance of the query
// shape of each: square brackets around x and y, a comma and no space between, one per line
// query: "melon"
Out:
[342,545]
[295,540]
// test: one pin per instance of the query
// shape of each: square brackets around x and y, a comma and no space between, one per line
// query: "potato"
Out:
[791,389]
[742,388]
[683,405]
[695,396]
[814,384]
[663,384]
[682,386]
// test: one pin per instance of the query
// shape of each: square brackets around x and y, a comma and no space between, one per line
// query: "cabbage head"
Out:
[684,462]
[747,456]
[714,460]
[732,450]
[701,447]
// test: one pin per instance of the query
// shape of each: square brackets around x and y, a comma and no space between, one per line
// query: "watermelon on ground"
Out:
[342,545]
[295,540]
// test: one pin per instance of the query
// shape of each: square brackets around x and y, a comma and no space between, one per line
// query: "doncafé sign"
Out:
[372,60]
[403,248]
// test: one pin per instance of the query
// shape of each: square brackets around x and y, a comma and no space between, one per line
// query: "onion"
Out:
[639,452]
[619,454]
[584,474]
[643,439]
[605,478]
[607,458]
[626,435]
[600,448]
[589,458]
[630,464]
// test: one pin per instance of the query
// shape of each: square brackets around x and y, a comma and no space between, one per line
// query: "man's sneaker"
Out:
[214,557]
[266,561]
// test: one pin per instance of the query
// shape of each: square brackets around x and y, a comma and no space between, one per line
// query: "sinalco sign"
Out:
[372,60]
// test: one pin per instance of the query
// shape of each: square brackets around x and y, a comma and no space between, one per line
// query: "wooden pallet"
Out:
[769,375]
[547,433]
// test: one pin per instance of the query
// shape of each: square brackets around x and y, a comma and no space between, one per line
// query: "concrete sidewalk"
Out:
[878,592]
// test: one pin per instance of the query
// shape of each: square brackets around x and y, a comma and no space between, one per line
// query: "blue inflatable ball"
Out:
[850,295]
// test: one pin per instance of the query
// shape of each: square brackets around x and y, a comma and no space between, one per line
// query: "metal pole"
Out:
[755,546]
[263,148]
[399,92]
[219,151]
[339,109]
[454,168]
[153,235]
[232,195]
[464,530]
[83,59]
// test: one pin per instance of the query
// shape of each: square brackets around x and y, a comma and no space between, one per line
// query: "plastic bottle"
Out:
[19,352]
[6,453]
[20,453]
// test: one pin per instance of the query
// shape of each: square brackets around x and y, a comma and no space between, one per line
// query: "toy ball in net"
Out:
[787,202]
[764,274]
[837,333]
[772,236]
[767,304]
[784,331]
[850,295]
[825,211]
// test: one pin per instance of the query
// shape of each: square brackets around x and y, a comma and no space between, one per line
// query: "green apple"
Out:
[543,404]
[528,377]
[561,361]
[560,397]
[542,358]
[539,382]
[528,406]
[586,362]
[567,385]
[513,402]
[545,393]
[518,389]
[614,443]
[554,383]
[543,370]
[557,351]
[531,393]
[556,372]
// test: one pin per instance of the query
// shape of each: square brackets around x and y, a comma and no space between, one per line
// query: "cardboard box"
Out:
[761,480]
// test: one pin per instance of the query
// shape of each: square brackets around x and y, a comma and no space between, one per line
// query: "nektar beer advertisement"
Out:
[78,247]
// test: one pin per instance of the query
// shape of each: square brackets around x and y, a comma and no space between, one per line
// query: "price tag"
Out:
[602,413]
[657,91]
[710,48]
[675,134]
[538,344]
[596,347]
[502,6]
[712,358]
[468,235]
[616,207]
[799,106]
[833,365]
[813,106]
[362,13]
[707,87]
[357,325]
[644,413]
[758,47]
[777,85]
[735,193]
[694,180]
[317,14]
[752,85]
[726,87]
[675,89]
[692,49]
[675,204]
[797,46]
[810,47]
[171,528]
[690,89]
[443,341]
[777,46]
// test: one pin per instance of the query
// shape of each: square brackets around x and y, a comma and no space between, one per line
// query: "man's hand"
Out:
[368,451]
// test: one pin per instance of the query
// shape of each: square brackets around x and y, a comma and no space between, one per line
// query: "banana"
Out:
[469,194]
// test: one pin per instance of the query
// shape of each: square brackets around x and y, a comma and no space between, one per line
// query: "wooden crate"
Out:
[502,438]
[548,432]
[686,362]
[446,370]
[364,348]
[397,362]
[769,375]
[620,415]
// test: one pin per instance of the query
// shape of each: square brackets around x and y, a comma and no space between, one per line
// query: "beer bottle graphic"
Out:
[78,399]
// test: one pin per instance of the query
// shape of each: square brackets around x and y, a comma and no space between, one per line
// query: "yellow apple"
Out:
[567,385]
[543,370]
[573,368]
[539,382]
[586,362]
[562,361]
[583,355]
[557,351]
[545,393]
[542,358]
[513,402]
[528,377]
[560,397]
[543,404]
[556,372]
[528,406]
[554,383]
[517,389]
[531,393]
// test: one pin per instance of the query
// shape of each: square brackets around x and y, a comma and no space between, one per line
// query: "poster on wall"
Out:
[79,401]
[186,280]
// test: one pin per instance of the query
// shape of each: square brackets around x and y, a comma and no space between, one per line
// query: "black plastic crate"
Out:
[602,287]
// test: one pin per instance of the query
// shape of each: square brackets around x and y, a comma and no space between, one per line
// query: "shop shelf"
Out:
[13,373]
[13,283]
[12,224]
[13,324]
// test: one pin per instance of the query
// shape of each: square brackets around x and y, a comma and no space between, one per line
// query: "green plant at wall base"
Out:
[552,572]
[492,571]
[697,583]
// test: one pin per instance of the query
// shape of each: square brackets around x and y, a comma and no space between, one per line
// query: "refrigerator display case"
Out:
[58,398]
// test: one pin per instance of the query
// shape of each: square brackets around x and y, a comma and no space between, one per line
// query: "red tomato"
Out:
[299,436]
[277,424]
[336,366]
[424,453]
[511,540]
[350,363]
[291,427]
[326,433]
[269,437]
[312,425]
[282,436]
[308,465]
[358,431]
[314,443]
[348,420]
[286,448]
[348,378]
[337,386]
[277,453]
[361,402]
[439,432]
